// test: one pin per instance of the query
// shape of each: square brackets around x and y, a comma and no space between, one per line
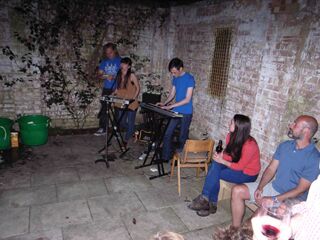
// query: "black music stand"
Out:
[104,157]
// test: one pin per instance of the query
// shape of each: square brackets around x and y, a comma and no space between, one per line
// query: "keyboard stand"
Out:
[155,144]
[104,157]
[115,131]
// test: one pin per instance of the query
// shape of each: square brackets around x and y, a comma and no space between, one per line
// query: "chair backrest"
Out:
[197,150]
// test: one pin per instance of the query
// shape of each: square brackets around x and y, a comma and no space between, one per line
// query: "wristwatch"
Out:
[275,199]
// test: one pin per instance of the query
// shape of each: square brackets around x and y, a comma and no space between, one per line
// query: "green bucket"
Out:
[5,135]
[34,129]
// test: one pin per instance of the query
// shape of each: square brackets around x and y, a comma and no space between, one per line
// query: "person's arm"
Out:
[267,176]
[170,97]
[184,101]
[135,81]
[250,152]
[295,192]
[218,157]
[100,74]
[103,76]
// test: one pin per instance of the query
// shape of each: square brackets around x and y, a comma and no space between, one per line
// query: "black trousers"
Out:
[102,115]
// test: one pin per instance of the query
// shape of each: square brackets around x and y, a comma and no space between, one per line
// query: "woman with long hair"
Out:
[238,163]
[128,87]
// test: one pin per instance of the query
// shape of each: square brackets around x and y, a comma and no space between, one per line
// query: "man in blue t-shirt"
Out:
[107,73]
[294,167]
[183,84]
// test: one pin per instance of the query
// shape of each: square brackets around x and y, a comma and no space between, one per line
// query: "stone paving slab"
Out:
[128,183]
[52,176]
[91,171]
[70,197]
[109,229]
[202,234]
[46,235]
[196,183]
[13,221]
[127,167]
[81,190]
[28,196]
[67,161]
[116,204]
[166,196]
[15,179]
[143,225]
[166,181]
[86,158]
[51,216]
[194,222]
[54,144]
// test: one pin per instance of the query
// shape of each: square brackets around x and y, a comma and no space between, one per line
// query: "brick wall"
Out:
[274,67]
[27,97]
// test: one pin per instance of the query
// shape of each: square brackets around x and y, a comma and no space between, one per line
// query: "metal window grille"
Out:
[220,63]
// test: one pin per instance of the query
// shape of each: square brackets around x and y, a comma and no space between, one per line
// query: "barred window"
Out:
[220,63]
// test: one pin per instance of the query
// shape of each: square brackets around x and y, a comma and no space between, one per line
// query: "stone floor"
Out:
[57,192]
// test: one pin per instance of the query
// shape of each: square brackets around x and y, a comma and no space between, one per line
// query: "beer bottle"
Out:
[219,148]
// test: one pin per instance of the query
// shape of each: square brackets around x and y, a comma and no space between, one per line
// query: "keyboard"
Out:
[157,109]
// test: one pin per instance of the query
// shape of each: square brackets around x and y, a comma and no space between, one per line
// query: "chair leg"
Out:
[179,187]
[198,172]
[173,163]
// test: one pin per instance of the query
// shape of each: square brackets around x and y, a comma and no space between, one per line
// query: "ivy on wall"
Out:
[63,41]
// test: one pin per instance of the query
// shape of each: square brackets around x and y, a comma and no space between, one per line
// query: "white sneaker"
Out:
[142,157]
[100,132]
[153,169]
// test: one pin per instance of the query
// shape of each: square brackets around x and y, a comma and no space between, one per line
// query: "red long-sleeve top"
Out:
[249,162]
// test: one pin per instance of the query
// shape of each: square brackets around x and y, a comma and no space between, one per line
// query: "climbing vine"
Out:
[63,41]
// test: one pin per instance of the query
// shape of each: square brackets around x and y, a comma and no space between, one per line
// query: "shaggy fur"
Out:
[231,233]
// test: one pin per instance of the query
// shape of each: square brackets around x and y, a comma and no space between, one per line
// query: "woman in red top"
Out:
[238,163]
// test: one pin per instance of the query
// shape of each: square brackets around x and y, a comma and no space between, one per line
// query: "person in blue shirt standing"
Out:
[107,73]
[183,84]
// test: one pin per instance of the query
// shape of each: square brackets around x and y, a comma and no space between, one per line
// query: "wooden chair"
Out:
[195,154]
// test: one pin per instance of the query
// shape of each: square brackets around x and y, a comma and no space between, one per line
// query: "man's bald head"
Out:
[310,122]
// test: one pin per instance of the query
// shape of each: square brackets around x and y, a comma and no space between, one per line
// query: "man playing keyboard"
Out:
[183,84]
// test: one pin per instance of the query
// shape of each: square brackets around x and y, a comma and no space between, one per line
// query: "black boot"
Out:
[199,203]
[206,212]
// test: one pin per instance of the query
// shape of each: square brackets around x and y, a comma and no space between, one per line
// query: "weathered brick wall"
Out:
[23,98]
[27,97]
[274,67]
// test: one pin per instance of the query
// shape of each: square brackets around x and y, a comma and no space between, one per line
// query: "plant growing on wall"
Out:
[63,41]
[149,81]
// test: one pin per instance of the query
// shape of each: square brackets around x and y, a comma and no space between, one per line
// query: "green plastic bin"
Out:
[34,129]
[5,133]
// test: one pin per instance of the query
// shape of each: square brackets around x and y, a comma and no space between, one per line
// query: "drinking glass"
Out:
[272,221]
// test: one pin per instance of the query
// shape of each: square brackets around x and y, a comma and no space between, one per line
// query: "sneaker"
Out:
[153,169]
[142,156]
[100,132]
